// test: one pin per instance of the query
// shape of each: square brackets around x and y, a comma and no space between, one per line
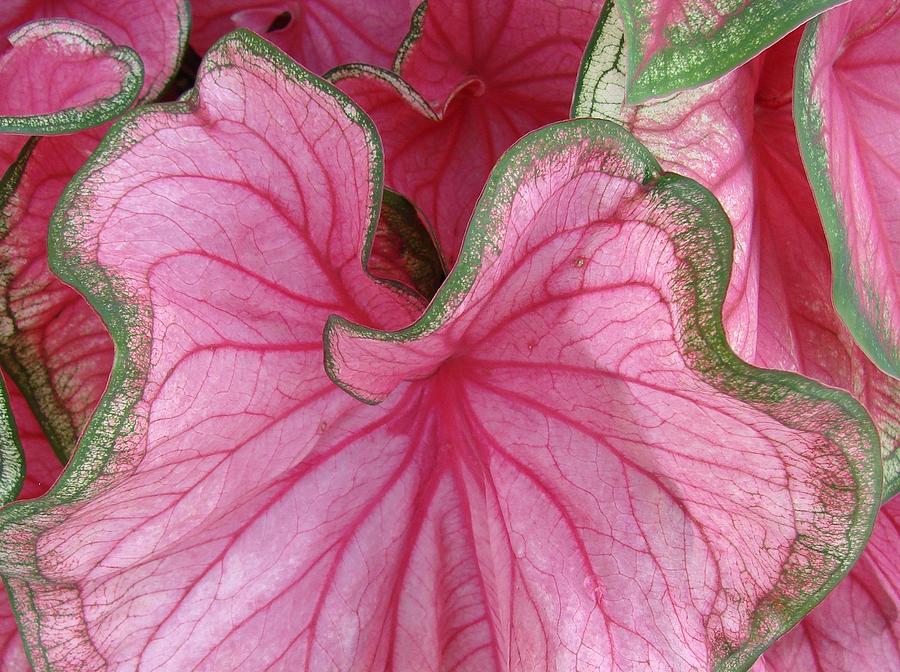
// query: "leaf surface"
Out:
[680,44]
[562,333]
[470,79]
[535,498]
[849,129]
[61,76]
[156,29]
[318,34]
[736,137]
[857,627]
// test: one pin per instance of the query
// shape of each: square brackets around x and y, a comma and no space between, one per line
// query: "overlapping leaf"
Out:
[553,475]
[847,116]
[678,44]
[319,34]
[61,76]
[471,78]
[736,137]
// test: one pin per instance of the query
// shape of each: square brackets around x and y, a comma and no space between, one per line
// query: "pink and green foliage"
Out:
[798,328]
[678,44]
[60,76]
[847,104]
[318,34]
[736,137]
[544,485]
[471,78]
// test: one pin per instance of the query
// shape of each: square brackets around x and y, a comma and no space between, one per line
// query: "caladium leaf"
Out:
[553,345]
[319,34]
[51,341]
[736,137]
[849,128]
[61,76]
[681,44]
[43,468]
[857,627]
[156,29]
[705,134]
[455,524]
[471,78]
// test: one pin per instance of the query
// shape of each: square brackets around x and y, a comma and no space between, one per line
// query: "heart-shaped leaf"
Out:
[551,491]
[848,116]
[318,34]
[61,76]
[705,134]
[680,44]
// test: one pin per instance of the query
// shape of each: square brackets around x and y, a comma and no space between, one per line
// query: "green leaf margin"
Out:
[692,56]
[702,237]
[875,340]
[74,119]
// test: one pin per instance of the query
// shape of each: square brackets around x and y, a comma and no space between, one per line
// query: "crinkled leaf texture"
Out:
[318,34]
[679,44]
[736,137]
[472,77]
[156,29]
[848,117]
[546,487]
[857,627]
[61,76]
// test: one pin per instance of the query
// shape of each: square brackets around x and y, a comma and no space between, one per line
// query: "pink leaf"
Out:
[857,627]
[61,76]
[548,499]
[737,138]
[53,343]
[471,79]
[848,119]
[156,29]
[319,34]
